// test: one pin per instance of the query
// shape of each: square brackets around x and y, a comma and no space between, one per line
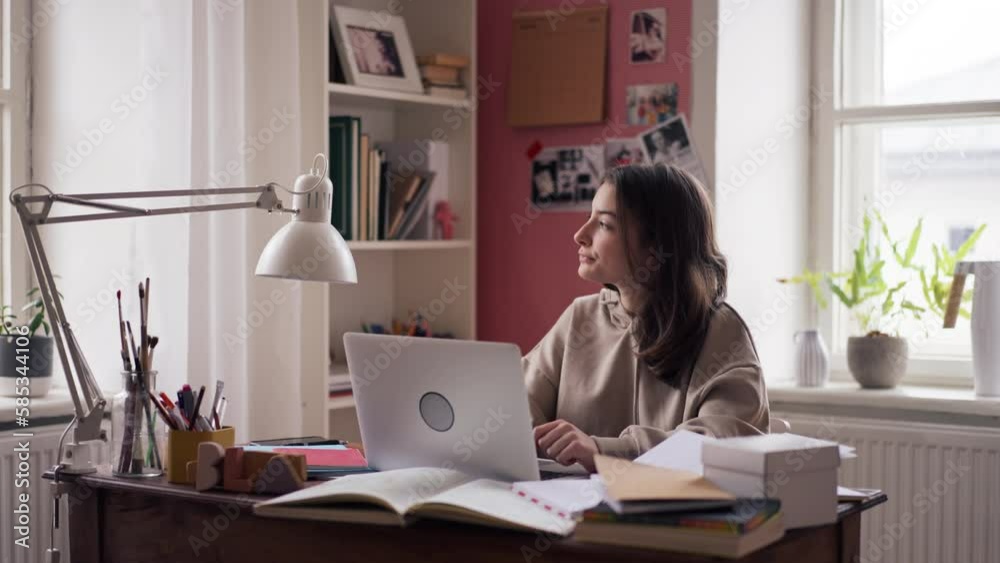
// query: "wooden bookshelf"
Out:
[396,277]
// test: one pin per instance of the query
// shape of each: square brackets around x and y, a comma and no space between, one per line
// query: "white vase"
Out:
[812,360]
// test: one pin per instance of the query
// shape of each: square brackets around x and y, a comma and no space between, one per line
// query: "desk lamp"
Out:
[308,237]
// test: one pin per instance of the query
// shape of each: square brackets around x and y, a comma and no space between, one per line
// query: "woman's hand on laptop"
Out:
[566,443]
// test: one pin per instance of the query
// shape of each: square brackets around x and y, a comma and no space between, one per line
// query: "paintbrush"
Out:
[121,330]
[133,347]
[142,325]
[153,341]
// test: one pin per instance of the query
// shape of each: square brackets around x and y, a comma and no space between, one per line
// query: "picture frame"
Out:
[375,53]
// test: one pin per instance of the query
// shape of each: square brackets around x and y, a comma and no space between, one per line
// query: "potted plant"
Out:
[879,302]
[23,352]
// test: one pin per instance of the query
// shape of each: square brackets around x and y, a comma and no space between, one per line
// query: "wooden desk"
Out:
[150,521]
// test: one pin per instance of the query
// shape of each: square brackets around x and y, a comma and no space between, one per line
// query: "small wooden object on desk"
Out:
[182,447]
[263,472]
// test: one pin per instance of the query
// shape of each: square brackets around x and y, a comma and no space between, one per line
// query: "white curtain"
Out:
[202,94]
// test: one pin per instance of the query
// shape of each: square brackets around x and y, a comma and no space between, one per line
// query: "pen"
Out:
[214,413]
[175,412]
[222,411]
[162,411]
[196,408]
[188,405]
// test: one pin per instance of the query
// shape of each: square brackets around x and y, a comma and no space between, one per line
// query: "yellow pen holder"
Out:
[182,447]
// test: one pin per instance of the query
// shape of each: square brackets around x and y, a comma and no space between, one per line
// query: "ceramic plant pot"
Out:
[877,362]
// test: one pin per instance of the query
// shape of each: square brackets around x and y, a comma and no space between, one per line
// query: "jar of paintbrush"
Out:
[138,435]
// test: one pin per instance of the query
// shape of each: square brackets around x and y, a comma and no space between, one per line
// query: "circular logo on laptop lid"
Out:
[436,411]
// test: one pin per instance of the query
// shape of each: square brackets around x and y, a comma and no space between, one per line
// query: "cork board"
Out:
[558,67]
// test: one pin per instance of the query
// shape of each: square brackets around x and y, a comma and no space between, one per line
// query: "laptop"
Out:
[432,402]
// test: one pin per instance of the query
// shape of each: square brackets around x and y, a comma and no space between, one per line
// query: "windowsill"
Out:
[953,405]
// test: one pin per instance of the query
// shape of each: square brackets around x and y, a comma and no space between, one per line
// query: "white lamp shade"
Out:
[308,251]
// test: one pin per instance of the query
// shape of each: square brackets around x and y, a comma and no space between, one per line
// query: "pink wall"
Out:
[527,278]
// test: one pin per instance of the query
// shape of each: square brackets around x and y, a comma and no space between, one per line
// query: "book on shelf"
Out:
[450,92]
[399,497]
[343,156]
[423,156]
[384,190]
[441,74]
[443,59]
[405,202]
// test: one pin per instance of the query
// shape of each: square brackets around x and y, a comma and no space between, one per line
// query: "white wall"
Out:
[760,150]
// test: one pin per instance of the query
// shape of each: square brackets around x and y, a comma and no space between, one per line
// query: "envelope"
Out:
[625,480]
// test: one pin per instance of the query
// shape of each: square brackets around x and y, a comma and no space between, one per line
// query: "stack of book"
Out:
[733,532]
[377,193]
[442,74]
[339,382]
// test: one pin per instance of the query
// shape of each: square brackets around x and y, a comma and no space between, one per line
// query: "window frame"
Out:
[15,143]
[831,207]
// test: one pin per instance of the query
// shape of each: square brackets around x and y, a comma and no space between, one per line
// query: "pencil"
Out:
[197,405]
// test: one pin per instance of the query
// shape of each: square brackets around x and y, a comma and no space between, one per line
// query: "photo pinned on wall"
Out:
[670,143]
[376,53]
[648,104]
[622,152]
[648,36]
[566,178]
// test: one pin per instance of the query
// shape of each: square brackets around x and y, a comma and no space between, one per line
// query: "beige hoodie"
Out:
[585,371]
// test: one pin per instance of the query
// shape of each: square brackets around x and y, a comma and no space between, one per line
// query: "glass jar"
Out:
[138,435]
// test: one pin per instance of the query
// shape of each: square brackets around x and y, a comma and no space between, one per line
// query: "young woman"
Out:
[658,349]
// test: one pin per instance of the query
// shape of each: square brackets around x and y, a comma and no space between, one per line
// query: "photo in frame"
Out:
[374,53]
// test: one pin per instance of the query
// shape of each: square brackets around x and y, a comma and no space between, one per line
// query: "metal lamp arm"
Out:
[90,410]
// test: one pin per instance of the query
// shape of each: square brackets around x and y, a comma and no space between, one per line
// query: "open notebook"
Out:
[397,497]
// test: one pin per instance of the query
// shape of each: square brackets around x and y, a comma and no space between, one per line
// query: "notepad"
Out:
[399,496]
[326,456]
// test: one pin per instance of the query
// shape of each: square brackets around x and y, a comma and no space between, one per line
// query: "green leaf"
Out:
[840,294]
[32,304]
[911,306]
[911,248]
[35,323]
[965,314]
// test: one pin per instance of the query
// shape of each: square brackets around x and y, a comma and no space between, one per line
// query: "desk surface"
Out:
[114,519]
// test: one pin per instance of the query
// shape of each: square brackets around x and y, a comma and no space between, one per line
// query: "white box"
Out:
[798,470]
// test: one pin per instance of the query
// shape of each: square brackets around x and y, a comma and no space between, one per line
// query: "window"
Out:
[913,132]
[16,28]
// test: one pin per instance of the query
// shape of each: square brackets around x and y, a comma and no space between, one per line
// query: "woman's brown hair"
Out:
[678,263]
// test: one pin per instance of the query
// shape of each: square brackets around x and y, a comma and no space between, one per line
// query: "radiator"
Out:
[943,484]
[43,449]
